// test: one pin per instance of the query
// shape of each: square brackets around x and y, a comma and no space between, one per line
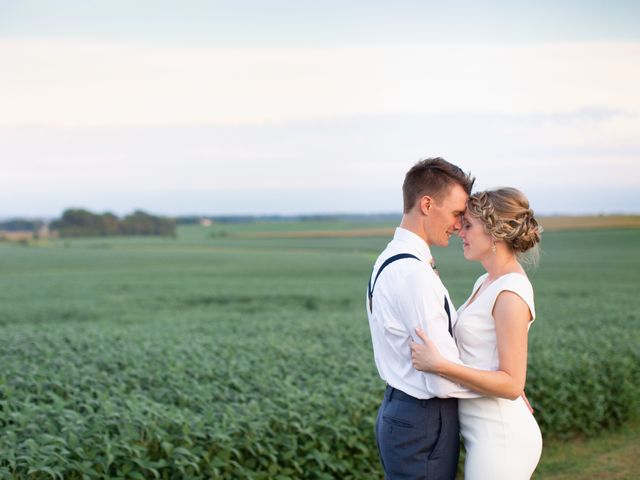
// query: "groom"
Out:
[417,424]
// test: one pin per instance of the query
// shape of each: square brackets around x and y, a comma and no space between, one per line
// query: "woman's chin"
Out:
[469,255]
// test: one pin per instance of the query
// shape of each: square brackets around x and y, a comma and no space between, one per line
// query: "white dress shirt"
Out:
[409,294]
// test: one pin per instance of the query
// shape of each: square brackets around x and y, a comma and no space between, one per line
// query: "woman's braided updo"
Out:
[506,216]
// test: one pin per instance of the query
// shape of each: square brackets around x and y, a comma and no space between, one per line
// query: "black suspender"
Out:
[446,309]
[388,261]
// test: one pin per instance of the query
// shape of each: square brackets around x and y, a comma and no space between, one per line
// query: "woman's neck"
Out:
[501,263]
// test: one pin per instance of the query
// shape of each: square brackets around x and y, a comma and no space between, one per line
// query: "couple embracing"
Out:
[450,372]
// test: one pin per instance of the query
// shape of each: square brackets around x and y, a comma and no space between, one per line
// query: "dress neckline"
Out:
[477,294]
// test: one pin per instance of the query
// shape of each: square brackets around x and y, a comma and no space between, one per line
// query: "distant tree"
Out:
[110,224]
[188,220]
[83,223]
[21,224]
[141,223]
[77,222]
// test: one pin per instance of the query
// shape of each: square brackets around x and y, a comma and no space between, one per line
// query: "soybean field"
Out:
[243,351]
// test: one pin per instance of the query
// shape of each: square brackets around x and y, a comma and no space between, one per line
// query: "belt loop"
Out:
[391,390]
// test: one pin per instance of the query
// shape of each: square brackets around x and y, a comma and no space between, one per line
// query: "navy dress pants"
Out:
[418,439]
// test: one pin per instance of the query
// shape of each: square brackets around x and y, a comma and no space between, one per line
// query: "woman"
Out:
[501,437]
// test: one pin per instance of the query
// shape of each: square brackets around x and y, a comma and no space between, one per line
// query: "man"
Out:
[417,424]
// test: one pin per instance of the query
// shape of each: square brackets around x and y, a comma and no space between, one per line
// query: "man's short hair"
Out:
[433,177]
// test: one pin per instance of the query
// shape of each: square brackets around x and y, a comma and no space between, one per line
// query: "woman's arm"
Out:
[512,316]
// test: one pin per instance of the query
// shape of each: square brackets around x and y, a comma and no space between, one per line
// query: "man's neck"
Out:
[414,226]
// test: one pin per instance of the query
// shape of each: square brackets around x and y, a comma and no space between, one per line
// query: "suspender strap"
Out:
[388,261]
[446,309]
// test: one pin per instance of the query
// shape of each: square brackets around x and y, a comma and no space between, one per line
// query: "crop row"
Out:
[180,363]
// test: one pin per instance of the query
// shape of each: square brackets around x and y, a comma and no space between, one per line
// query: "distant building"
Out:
[42,232]
[17,236]
[206,222]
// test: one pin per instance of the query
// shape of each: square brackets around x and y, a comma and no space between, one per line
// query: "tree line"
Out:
[21,225]
[83,223]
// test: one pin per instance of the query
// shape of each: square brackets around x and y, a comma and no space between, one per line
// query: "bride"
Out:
[501,437]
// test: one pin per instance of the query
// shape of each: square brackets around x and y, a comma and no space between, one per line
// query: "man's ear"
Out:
[425,204]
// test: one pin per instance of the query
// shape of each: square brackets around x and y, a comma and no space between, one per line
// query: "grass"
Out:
[610,456]
[337,229]
[590,223]
[143,355]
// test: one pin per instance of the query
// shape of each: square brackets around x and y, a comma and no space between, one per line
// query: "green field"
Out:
[220,356]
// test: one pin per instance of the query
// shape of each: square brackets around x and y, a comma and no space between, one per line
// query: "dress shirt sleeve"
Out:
[422,304]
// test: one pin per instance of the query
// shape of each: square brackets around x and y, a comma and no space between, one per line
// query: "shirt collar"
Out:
[417,244]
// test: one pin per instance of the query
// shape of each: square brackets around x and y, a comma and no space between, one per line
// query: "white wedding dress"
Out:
[501,437]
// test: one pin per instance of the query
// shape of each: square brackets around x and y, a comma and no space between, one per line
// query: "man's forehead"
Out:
[457,197]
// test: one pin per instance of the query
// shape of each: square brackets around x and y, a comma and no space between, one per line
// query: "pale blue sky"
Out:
[255,107]
[308,22]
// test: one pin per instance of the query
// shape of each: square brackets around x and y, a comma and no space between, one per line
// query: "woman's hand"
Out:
[426,357]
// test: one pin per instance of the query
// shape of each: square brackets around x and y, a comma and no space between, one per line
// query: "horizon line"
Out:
[293,216]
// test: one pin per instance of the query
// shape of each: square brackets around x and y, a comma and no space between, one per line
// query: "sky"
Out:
[300,107]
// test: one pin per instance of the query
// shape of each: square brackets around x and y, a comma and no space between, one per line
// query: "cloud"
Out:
[344,164]
[67,83]
[177,129]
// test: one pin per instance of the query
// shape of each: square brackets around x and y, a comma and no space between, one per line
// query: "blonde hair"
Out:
[506,216]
